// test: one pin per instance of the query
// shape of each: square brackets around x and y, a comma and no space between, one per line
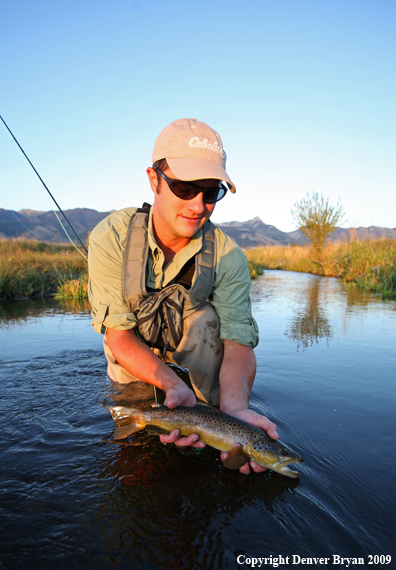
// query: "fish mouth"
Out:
[282,467]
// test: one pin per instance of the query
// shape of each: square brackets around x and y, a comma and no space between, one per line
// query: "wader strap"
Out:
[135,262]
[160,314]
[135,256]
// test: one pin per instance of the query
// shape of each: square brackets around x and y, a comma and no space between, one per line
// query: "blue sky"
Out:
[302,92]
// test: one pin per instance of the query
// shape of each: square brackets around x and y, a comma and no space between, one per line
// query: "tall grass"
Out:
[368,264]
[34,269]
[74,288]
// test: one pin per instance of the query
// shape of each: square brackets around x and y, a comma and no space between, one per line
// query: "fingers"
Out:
[171,437]
[170,401]
[272,430]
[257,468]
[245,469]
[180,396]
[265,424]
[258,421]
[174,437]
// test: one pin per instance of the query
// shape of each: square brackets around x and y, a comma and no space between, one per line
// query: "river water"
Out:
[71,496]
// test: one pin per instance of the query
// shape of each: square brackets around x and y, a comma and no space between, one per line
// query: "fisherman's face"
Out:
[173,217]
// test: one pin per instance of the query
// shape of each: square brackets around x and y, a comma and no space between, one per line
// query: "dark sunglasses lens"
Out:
[183,190]
[188,191]
[213,195]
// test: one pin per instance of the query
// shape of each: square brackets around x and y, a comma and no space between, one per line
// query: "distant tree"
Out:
[317,219]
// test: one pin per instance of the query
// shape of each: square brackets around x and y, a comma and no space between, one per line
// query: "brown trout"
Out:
[242,441]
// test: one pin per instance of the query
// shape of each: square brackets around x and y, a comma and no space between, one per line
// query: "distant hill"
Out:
[255,232]
[252,233]
[45,225]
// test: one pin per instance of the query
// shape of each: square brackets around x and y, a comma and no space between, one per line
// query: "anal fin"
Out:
[121,432]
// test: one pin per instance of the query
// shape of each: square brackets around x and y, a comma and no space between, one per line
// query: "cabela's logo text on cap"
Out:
[196,141]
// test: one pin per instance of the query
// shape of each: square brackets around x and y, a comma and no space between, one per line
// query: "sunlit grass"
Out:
[74,288]
[368,264]
[34,269]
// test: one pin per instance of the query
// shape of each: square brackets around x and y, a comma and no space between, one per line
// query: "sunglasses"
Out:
[188,190]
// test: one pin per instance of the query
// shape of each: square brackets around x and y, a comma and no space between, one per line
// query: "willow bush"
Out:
[317,219]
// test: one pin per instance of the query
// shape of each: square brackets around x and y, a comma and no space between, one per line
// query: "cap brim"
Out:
[198,169]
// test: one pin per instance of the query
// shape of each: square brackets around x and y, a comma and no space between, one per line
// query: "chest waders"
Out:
[160,313]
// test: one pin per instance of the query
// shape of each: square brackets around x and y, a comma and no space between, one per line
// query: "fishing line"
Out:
[70,239]
[46,187]
[43,240]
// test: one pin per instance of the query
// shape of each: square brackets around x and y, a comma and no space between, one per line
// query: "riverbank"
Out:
[368,265]
[31,269]
[34,269]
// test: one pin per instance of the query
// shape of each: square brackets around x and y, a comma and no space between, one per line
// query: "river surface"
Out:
[71,497]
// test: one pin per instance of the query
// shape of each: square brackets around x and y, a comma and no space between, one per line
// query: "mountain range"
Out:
[32,224]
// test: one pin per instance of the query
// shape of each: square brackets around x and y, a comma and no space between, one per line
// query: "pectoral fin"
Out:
[236,458]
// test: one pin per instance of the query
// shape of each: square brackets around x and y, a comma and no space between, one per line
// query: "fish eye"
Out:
[284,452]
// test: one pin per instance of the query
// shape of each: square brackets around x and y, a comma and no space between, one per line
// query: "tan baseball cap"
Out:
[193,150]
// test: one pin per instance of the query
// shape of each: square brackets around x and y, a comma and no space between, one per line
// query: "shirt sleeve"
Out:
[105,261]
[231,293]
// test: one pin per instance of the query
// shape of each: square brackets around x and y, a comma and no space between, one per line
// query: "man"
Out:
[167,286]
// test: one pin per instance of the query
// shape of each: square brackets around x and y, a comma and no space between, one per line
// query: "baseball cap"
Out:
[193,150]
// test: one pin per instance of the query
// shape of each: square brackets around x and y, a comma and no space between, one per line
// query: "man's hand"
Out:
[180,395]
[236,380]
[174,437]
[261,422]
[142,363]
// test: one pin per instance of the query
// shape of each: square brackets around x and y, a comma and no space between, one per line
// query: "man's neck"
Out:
[170,247]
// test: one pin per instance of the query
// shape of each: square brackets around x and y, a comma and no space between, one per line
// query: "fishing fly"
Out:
[56,203]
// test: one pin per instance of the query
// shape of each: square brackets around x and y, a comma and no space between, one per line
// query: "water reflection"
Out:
[167,502]
[19,312]
[310,323]
[87,498]
[44,327]
[363,299]
[72,496]
[172,504]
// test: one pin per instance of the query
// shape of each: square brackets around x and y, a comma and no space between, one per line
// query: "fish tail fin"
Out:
[127,421]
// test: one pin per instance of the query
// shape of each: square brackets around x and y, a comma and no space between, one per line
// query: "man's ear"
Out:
[153,179]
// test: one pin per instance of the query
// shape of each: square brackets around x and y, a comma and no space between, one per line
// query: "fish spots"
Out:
[261,445]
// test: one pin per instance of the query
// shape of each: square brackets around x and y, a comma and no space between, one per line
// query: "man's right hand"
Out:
[180,395]
[142,363]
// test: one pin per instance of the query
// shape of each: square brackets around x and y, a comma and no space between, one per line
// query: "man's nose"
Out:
[197,204]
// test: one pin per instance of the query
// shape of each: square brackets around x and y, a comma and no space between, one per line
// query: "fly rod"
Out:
[45,186]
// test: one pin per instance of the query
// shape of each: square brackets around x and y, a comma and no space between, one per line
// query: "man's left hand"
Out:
[259,421]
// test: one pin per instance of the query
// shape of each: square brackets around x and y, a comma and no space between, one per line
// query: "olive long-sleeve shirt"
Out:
[231,290]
